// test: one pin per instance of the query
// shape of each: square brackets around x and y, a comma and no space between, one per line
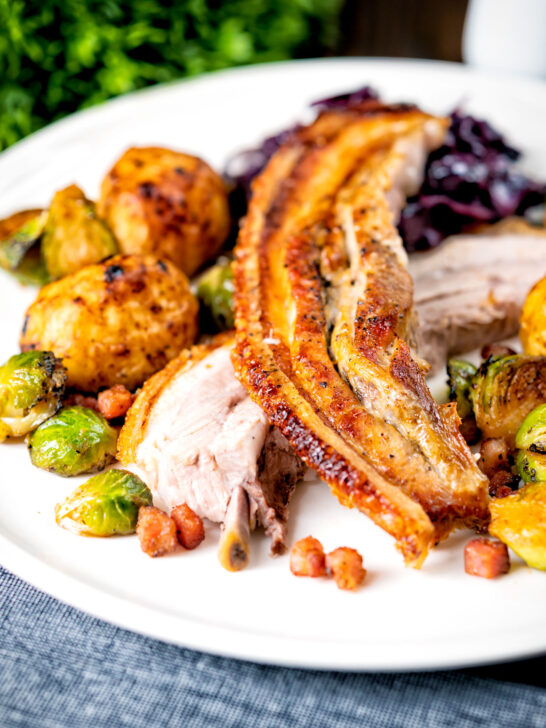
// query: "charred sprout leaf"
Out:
[31,387]
[215,291]
[459,379]
[532,433]
[20,237]
[107,504]
[531,466]
[504,390]
[74,236]
[519,521]
[14,247]
[490,381]
[76,440]
[32,271]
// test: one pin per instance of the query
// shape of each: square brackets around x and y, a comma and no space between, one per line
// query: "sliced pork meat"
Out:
[469,291]
[197,437]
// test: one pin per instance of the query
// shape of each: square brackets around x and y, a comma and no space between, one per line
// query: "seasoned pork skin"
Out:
[470,290]
[324,320]
[197,436]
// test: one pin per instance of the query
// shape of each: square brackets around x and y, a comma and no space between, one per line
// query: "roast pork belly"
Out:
[470,290]
[196,435]
[325,324]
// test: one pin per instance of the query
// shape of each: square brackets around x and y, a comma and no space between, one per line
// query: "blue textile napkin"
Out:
[62,668]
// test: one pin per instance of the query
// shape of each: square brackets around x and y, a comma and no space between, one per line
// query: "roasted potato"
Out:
[533,320]
[167,204]
[116,322]
[519,521]
[73,235]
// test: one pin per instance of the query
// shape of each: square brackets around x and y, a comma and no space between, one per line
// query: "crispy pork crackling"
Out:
[324,319]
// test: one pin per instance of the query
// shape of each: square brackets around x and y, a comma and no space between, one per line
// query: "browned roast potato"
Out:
[166,203]
[115,322]
[533,320]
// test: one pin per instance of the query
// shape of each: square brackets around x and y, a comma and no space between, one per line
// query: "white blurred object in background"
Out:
[506,35]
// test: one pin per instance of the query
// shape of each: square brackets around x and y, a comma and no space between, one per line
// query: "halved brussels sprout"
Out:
[20,254]
[32,271]
[505,390]
[532,433]
[519,521]
[74,236]
[107,504]
[76,440]
[531,441]
[531,466]
[459,379]
[215,291]
[31,387]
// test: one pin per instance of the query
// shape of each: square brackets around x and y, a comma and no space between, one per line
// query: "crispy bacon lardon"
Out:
[324,324]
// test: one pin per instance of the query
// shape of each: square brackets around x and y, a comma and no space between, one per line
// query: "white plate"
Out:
[402,619]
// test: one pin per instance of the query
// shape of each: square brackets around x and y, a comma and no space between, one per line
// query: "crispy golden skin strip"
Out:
[303,276]
[369,351]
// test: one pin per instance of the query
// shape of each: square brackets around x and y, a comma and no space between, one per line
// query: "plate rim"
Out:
[266,649]
[532,84]
[235,643]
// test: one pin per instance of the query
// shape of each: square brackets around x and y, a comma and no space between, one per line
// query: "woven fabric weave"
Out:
[62,668]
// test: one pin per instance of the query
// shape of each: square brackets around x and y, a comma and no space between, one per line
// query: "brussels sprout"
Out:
[31,387]
[519,521]
[107,504]
[74,236]
[459,379]
[532,433]
[32,271]
[76,440]
[215,291]
[531,441]
[504,390]
[20,254]
[531,466]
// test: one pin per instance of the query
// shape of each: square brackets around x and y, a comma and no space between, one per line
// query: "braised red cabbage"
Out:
[351,98]
[241,169]
[469,179]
